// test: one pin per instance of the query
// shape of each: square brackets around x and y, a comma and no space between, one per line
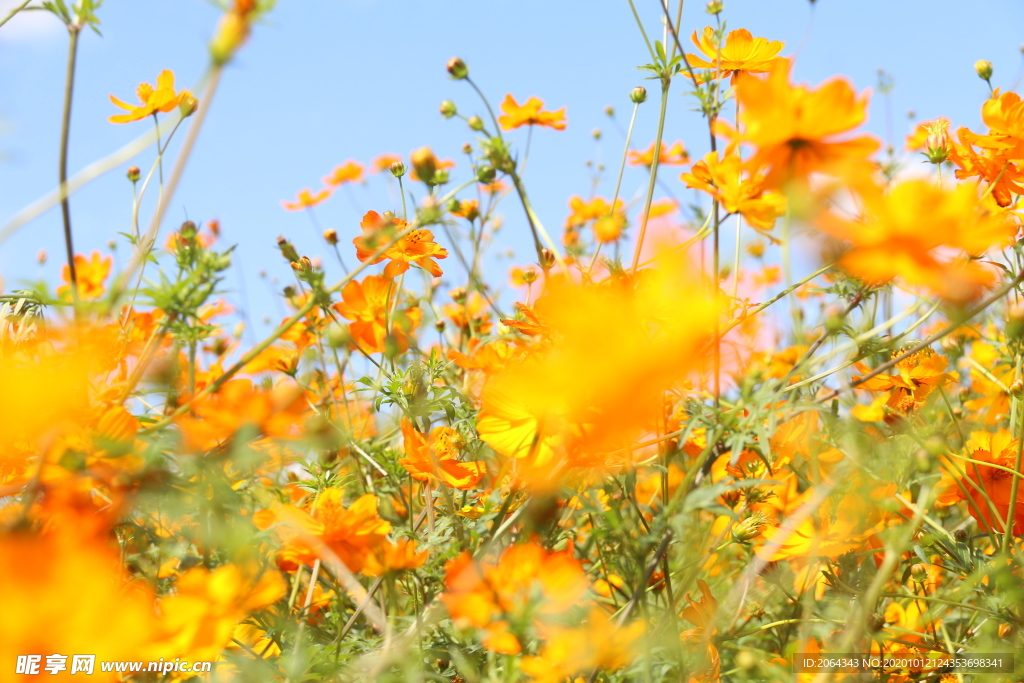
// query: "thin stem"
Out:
[618,182]
[65,205]
[666,81]
[15,11]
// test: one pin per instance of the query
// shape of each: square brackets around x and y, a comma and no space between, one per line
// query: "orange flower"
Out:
[797,130]
[351,533]
[468,209]
[994,165]
[919,375]
[487,596]
[702,615]
[722,178]
[349,172]
[306,199]
[417,248]
[367,305]
[583,211]
[397,557]
[888,240]
[572,398]
[579,649]
[998,449]
[70,596]
[529,114]
[162,98]
[198,620]
[675,155]
[90,272]
[437,459]
[241,408]
[383,162]
[741,52]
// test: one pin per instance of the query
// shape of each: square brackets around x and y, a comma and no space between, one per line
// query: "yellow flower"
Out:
[722,178]
[162,98]
[529,114]
[741,52]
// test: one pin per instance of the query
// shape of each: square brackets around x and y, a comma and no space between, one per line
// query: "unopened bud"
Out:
[397,169]
[750,528]
[919,572]
[287,250]
[547,258]
[1015,322]
[134,174]
[467,148]
[609,111]
[338,335]
[983,68]
[1017,388]
[960,535]
[714,7]
[331,236]
[425,163]
[458,295]
[924,461]
[529,276]
[596,133]
[638,95]
[457,68]
[476,123]
[439,326]
[448,109]
[188,104]
[41,257]
[486,174]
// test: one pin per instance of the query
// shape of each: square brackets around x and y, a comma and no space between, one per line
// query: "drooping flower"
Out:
[367,304]
[162,98]
[529,114]
[306,199]
[723,179]
[91,272]
[740,52]
[797,130]
[436,459]
[349,172]
[417,248]
[676,155]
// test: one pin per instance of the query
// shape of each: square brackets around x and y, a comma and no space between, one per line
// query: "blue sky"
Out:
[322,81]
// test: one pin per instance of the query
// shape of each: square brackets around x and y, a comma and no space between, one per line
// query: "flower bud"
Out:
[397,169]
[529,275]
[41,257]
[134,174]
[919,572]
[338,336]
[749,528]
[960,535]
[448,109]
[1017,388]
[187,104]
[983,68]
[609,111]
[756,249]
[1014,322]
[467,148]
[425,163]
[232,32]
[638,95]
[457,68]
[287,250]
[596,133]
[331,236]
[547,258]
[439,326]
[458,295]
[714,7]
[486,174]
[475,123]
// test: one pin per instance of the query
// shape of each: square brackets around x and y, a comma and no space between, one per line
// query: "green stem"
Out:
[666,81]
[65,204]
[618,183]
[15,11]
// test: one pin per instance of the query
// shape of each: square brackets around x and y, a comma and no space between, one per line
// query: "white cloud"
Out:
[28,26]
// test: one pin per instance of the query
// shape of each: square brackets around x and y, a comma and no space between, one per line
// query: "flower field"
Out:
[762,421]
